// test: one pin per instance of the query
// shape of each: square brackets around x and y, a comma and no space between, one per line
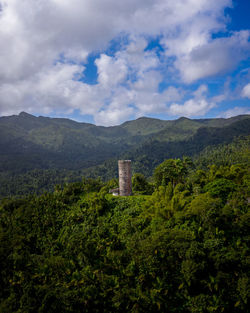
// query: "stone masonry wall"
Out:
[125,174]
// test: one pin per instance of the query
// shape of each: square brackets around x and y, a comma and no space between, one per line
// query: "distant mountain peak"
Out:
[144,118]
[24,114]
[183,118]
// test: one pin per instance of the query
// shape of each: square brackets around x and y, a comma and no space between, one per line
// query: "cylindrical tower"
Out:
[125,182]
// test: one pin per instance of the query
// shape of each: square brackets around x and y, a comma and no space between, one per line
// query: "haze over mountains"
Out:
[29,143]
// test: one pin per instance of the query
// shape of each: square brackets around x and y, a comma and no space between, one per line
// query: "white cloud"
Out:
[44,45]
[246,91]
[215,57]
[49,90]
[111,71]
[234,112]
[113,116]
[197,106]
[192,107]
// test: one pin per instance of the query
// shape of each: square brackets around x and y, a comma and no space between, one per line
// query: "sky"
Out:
[109,61]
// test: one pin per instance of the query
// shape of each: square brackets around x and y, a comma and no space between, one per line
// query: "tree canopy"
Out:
[183,248]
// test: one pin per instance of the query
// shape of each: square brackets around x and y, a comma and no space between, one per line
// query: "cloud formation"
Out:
[45,46]
[199,105]
[235,111]
[246,91]
[217,56]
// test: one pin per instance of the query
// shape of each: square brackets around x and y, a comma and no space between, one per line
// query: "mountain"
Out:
[146,156]
[29,143]
[155,150]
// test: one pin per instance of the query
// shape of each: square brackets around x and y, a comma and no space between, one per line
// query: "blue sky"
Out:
[108,61]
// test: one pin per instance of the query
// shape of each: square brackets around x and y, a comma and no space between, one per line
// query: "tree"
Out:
[140,184]
[171,170]
[220,188]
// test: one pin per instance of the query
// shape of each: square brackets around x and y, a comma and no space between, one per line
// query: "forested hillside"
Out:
[38,152]
[179,244]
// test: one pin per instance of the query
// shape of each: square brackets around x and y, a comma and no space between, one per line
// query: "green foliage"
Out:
[221,188]
[38,152]
[171,170]
[237,151]
[141,185]
[184,249]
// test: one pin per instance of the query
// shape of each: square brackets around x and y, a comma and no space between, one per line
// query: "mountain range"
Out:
[29,143]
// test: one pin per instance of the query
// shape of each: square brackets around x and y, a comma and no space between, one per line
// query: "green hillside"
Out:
[155,150]
[30,144]
[144,126]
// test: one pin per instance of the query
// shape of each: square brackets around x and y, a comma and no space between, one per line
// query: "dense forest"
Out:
[37,181]
[38,152]
[179,244]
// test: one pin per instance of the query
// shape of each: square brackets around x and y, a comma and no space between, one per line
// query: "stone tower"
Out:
[125,182]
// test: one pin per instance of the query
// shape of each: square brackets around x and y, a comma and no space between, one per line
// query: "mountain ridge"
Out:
[30,143]
[26,115]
